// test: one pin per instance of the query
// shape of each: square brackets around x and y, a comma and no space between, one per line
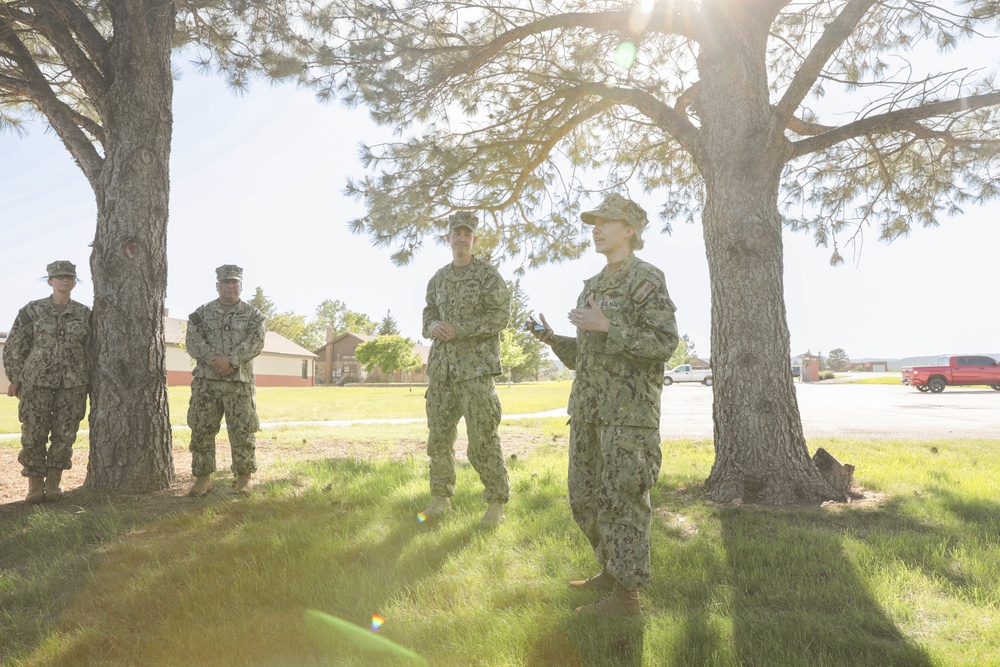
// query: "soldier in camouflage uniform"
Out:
[224,336]
[47,360]
[625,332]
[468,305]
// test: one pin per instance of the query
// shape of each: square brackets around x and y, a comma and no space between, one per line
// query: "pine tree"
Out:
[99,73]
[746,117]
[387,326]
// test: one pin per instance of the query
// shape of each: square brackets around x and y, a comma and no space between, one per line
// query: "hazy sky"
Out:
[257,181]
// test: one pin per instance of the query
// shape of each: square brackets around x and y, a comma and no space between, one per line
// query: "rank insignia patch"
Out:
[643,291]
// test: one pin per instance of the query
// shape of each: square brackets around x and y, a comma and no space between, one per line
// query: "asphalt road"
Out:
[854,411]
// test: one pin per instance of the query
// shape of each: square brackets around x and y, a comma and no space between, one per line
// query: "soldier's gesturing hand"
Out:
[546,336]
[442,331]
[13,388]
[590,319]
[221,365]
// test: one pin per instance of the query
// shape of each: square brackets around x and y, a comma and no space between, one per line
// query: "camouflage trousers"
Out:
[44,411]
[611,470]
[210,400]
[477,401]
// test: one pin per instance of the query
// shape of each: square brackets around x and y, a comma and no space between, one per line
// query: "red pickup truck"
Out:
[954,371]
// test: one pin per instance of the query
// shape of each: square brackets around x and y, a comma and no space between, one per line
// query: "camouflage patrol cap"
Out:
[229,272]
[61,268]
[616,207]
[462,219]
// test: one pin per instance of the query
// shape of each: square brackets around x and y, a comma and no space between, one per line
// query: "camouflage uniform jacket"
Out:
[237,333]
[619,374]
[474,300]
[49,349]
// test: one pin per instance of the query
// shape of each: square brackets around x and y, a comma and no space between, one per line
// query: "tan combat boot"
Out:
[621,602]
[439,505]
[52,479]
[202,485]
[36,490]
[244,484]
[494,515]
[599,582]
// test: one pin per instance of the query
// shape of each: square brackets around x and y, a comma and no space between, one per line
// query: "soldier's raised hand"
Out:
[590,319]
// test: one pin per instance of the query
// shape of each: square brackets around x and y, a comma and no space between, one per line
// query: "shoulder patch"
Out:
[643,291]
[194,318]
[23,317]
[490,280]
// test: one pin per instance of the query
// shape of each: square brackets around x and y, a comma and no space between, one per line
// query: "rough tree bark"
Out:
[130,441]
[761,453]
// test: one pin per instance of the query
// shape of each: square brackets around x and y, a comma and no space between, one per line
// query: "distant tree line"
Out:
[310,332]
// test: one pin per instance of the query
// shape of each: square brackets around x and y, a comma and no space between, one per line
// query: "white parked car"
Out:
[684,373]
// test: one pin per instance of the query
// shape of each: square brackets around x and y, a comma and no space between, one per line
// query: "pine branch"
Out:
[834,35]
[901,120]
[52,27]
[62,118]
[92,41]
[666,117]
[546,148]
[682,21]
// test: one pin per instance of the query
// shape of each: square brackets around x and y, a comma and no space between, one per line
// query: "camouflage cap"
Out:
[616,207]
[61,268]
[229,272]
[462,219]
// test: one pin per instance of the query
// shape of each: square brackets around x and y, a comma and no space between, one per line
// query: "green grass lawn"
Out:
[285,404]
[877,380]
[910,580]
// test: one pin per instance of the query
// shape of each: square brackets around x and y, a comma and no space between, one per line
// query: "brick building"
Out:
[335,363]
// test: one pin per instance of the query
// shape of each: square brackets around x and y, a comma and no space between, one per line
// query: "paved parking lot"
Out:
[854,411]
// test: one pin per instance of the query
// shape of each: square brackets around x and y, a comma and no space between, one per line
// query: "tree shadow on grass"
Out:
[227,580]
[813,609]
[773,587]
[46,554]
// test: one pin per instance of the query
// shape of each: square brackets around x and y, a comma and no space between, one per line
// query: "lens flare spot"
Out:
[421,517]
[625,55]
[640,16]
[330,633]
[377,622]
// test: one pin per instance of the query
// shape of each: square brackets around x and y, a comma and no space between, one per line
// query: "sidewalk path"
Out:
[559,412]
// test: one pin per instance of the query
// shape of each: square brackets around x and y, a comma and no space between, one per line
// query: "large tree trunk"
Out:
[130,444]
[760,450]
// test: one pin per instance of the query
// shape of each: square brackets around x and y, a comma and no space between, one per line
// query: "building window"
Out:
[305,369]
